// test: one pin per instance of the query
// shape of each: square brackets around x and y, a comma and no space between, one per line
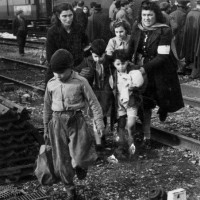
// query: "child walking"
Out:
[126,84]
[95,69]
[64,124]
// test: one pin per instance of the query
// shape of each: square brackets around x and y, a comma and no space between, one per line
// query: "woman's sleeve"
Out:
[110,47]
[85,40]
[163,51]
[50,45]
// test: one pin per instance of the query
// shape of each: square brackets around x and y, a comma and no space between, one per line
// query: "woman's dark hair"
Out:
[117,23]
[87,8]
[120,54]
[64,7]
[153,6]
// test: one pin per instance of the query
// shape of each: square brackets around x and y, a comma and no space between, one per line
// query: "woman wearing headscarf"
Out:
[151,52]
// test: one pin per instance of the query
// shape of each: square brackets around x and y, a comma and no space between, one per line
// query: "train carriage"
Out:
[38,11]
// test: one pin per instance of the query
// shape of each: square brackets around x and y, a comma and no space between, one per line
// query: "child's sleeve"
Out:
[47,112]
[94,105]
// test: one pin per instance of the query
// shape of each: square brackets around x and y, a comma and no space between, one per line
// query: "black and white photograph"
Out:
[99,99]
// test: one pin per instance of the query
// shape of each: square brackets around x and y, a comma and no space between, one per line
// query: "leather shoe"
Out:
[81,173]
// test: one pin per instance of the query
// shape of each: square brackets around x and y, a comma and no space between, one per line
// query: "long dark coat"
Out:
[81,18]
[74,42]
[98,27]
[163,84]
[179,17]
[191,41]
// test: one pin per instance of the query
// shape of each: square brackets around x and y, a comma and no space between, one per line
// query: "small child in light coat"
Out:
[125,86]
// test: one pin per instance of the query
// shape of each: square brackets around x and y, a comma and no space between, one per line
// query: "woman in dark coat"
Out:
[67,34]
[150,50]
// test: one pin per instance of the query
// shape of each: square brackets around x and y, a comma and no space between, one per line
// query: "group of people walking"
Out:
[124,74]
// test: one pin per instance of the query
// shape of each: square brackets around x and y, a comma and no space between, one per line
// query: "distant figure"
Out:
[166,9]
[130,11]
[92,7]
[112,10]
[74,5]
[86,11]
[191,41]
[98,25]
[53,18]
[19,27]
[122,13]
[179,16]
[81,18]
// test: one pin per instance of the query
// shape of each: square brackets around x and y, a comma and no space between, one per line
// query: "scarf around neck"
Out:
[152,28]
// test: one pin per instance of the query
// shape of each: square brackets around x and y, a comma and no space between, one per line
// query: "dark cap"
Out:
[19,12]
[81,3]
[98,47]
[124,2]
[61,60]
[183,3]
[97,6]
[164,5]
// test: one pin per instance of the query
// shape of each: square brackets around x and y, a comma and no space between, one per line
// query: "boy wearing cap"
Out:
[64,125]
[19,28]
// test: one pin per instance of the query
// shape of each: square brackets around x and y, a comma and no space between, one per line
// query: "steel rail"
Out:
[42,67]
[191,95]
[27,41]
[173,139]
[28,86]
[13,44]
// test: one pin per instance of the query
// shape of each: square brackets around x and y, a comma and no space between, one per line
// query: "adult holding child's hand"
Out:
[150,49]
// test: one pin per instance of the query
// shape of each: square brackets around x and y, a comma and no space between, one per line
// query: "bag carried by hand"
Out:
[44,170]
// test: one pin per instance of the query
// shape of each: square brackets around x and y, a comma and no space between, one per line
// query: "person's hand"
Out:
[46,135]
[142,70]
[101,133]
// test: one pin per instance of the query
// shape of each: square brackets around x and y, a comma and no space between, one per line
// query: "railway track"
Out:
[34,74]
[29,43]
[191,95]
[174,140]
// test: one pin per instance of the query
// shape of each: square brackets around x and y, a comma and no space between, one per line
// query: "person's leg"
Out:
[146,124]
[146,128]
[23,42]
[81,145]
[62,160]
[131,120]
[20,43]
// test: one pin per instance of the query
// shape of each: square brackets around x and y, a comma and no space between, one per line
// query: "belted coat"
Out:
[163,83]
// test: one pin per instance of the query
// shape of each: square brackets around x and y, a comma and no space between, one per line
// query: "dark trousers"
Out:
[21,40]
